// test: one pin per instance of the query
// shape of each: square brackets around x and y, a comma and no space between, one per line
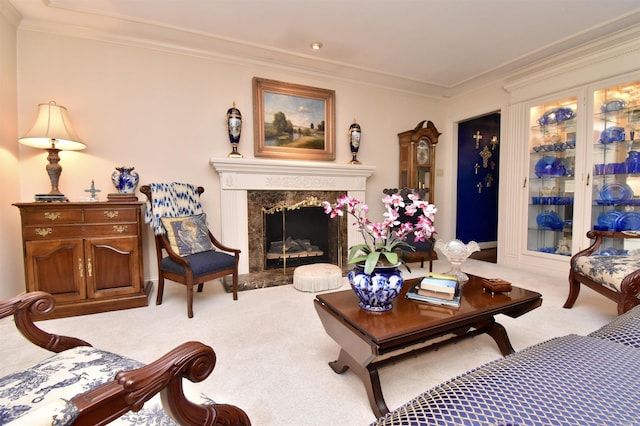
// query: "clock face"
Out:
[422,152]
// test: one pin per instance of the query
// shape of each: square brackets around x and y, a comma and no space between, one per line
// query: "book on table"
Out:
[438,289]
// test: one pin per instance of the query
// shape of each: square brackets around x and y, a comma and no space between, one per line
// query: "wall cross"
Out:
[477,137]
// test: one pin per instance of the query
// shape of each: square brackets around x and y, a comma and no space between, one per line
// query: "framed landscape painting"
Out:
[292,121]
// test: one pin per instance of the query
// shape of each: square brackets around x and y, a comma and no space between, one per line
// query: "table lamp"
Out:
[54,133]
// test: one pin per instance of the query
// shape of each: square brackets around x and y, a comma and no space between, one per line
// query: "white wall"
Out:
[10,246]
[164,113]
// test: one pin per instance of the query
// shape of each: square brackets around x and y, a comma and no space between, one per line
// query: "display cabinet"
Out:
[615,141]
[418,158]
[552,162]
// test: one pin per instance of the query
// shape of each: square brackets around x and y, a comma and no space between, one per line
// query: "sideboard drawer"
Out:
[51,216]
[110,215]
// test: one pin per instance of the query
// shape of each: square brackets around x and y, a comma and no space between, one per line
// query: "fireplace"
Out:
[290,228]
[298,179]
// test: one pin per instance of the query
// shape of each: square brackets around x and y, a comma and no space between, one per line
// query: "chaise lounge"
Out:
[570,380]
[82,385]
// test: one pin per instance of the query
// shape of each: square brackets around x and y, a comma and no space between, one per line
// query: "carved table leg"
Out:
[370,378]
[499,334]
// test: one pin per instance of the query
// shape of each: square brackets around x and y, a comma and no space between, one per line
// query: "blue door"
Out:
[478,160]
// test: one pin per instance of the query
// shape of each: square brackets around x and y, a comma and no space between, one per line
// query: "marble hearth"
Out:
[240,175]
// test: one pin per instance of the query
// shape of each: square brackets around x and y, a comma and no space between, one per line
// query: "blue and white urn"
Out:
[125,179]
[377,290]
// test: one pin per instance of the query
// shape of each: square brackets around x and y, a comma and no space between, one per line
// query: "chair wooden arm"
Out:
[598,237]
[26,305]
[222,247]
[131,389]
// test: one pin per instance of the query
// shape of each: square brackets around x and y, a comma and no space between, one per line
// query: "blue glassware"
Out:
[613,105]
[550,220]
[608,218]
[616,192]
[632,163]
[556,115]
[550,166]
[612,134]
[629,221]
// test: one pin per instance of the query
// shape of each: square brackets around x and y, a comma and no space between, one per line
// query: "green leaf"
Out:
[371,262]
[392,257]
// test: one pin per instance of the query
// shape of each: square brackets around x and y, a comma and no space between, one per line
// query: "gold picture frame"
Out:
[292,121]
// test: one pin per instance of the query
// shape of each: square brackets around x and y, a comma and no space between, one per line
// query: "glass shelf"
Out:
[552,147]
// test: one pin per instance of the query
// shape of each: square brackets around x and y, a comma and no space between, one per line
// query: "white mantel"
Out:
[239,175]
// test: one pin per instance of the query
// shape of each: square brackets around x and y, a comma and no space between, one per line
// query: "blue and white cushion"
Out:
[607,270]
[48,386]
[171,200]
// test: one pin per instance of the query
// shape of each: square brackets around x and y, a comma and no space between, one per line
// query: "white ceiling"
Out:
[437,47]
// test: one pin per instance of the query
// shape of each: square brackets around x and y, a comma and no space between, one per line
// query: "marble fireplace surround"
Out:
[239,175]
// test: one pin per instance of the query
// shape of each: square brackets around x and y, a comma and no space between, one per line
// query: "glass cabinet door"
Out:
[552,159]
[616,162]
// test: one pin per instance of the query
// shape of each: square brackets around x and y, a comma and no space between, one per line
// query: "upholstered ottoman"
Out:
[317,277]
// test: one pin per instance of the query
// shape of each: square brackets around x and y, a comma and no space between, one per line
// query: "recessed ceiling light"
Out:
[316,45]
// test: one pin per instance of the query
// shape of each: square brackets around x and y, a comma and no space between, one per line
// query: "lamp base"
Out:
[50,197]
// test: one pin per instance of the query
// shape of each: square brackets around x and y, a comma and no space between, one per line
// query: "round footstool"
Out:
[317,277]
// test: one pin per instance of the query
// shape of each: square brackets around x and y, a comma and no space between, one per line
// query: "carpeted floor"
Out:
[272,351]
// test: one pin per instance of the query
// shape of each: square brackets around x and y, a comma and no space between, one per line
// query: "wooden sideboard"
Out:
[87,255]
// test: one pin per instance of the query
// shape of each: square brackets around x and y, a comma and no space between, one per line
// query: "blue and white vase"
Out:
[125,180]
[377,290]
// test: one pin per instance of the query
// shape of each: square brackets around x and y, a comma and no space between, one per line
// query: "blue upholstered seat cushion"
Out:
[607,270]
[203,263]
[624,329]
[571,380]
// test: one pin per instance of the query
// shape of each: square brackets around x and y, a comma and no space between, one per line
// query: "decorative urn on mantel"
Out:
[234,129]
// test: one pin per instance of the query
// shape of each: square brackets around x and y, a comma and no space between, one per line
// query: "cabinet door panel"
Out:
[112,266]
[57,268]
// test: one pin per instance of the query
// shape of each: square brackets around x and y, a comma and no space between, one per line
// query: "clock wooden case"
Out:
[418,158]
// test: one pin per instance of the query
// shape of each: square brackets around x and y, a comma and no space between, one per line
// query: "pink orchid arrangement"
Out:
[388,237]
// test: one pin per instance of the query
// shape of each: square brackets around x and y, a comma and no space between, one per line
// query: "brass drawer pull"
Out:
[43,232]
[120,228]
[111,214]
[89,267]
[52,215]
[80,267]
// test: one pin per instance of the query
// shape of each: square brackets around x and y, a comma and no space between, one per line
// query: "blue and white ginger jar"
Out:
[125,180]
[377,290]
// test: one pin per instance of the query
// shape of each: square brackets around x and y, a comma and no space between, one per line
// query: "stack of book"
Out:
[437,289]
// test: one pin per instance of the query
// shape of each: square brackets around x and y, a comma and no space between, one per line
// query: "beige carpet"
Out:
[272,351]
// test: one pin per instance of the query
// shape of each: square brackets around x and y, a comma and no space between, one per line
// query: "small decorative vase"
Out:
[377,290]
[456,253]
[355,133]
[234,128]
[632,163]
[125,180]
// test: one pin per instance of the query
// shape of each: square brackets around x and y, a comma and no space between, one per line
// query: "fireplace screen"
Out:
[296,234]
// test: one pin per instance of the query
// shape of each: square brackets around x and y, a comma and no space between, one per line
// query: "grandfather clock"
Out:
[418,158]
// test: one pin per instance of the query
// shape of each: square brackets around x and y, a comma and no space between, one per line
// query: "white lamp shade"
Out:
[53,129]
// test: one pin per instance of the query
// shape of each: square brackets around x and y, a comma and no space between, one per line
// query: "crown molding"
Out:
[615,46]
[10,13]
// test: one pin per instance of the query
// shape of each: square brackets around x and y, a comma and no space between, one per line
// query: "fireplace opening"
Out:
[297,221]
[295,237]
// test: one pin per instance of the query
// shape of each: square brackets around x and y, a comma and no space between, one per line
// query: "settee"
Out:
[82,385]
[570,380]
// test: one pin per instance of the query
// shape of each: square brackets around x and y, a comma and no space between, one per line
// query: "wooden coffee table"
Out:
[371,340]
